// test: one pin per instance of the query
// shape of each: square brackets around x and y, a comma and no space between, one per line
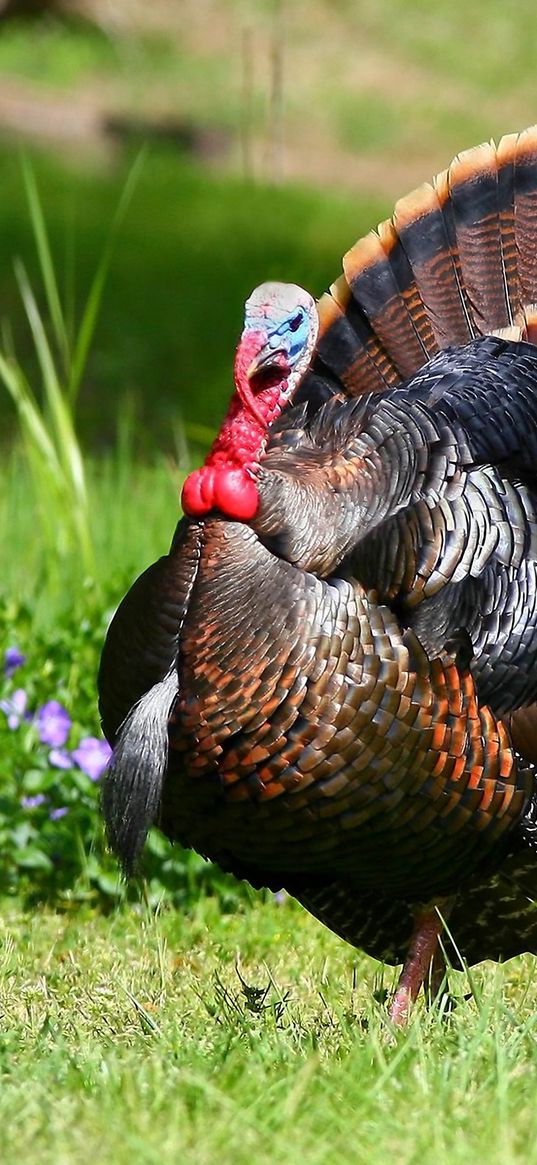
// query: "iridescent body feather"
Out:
[329,683]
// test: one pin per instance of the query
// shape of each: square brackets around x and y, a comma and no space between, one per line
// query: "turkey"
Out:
[329,684]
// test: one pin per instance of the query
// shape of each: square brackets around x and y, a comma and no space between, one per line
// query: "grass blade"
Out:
[45,261]
[90,314]
[66,442]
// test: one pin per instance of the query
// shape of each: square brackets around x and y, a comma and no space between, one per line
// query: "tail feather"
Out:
[367,366]
[132,789]
[525,170]
[427,232]
[458,259]
[528,323]
[380,278]
[506,201]
[475,198]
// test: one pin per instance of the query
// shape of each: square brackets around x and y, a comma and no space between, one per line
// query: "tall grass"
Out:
[46,414]
[132,508]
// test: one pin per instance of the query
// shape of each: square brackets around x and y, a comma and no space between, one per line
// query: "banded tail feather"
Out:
[457,259]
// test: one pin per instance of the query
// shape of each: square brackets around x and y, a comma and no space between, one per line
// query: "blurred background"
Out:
[276,134]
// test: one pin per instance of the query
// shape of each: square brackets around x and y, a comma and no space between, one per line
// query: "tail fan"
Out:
[133,785]
[458,259]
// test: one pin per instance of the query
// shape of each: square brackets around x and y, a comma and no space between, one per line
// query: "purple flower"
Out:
[53,724]
[15,707]
[13,659]
[92,756]
[33,802]
[59,758]
[55,814]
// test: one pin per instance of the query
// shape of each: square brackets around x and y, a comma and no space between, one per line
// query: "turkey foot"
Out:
[421,952]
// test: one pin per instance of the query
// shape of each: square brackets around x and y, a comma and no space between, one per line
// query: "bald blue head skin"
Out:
[286,316]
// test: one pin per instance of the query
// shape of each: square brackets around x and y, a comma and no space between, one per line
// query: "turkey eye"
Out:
[295,323]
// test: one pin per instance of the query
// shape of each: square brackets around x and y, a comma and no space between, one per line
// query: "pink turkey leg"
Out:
[421,952]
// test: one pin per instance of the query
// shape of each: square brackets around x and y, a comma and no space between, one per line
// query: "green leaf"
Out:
[39,780]
[32,858]
[112,887]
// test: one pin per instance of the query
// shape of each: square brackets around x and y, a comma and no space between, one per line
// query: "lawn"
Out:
[248,1036]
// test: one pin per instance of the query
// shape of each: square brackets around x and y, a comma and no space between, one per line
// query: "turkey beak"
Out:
[252,344]
[255,355]
[269,358]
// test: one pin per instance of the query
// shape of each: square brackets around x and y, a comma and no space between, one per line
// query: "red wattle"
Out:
[194,501]
[207,478]
[228,488]
[224,483]
[235,493]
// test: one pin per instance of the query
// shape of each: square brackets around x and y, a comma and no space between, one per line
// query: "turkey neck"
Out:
[316,504]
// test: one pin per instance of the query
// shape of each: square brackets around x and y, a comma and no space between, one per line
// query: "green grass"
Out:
[134,507]
[191,249]
[134,1037]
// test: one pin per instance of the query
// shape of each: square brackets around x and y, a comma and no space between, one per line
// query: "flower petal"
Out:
[13,658]
[53,724]
[33,802]
[92,756]
[55,814]
[14,707]
[59,758]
